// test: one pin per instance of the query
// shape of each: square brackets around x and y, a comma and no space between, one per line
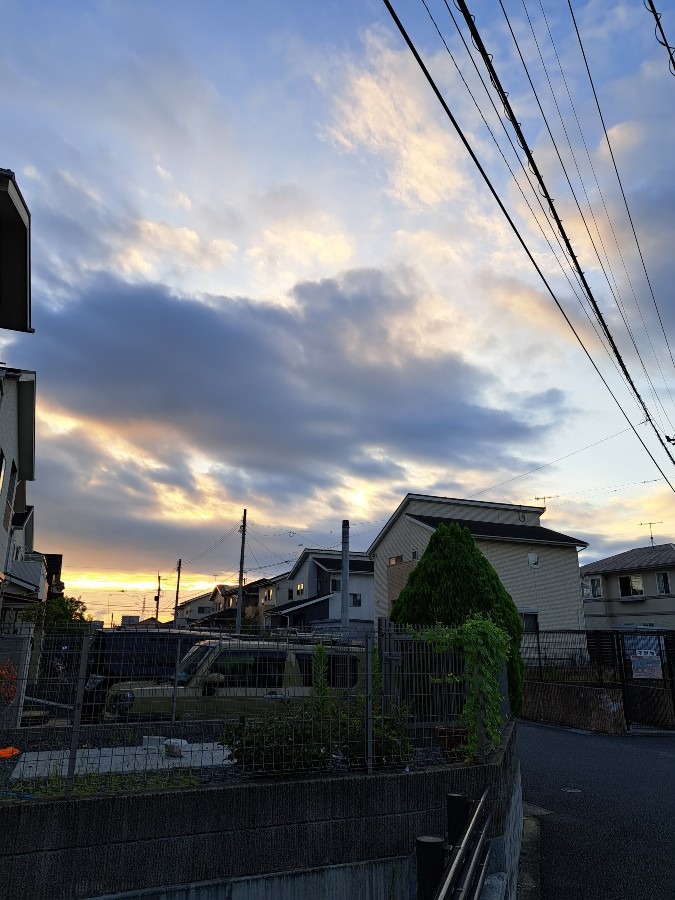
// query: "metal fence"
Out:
[130,708]
[609,680]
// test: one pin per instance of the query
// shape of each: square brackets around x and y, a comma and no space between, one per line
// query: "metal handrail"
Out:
[460,852]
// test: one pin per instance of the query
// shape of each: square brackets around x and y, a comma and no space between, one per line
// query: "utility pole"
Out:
[240,592]
[159,591]
[175,606]
[344,607]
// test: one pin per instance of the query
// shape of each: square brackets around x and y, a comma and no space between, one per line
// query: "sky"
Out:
[266,274]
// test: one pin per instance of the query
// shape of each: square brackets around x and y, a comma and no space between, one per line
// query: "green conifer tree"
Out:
[453,581]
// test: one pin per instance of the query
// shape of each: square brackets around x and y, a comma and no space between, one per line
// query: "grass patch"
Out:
[89,785]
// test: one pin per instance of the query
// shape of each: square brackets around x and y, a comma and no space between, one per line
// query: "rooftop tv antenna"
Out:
[651,536]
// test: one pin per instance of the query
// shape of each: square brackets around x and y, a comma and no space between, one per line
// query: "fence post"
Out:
[175,681]
[369,702]
[541,670]
[77,717]
[430,858]
[480,726]
[620,656]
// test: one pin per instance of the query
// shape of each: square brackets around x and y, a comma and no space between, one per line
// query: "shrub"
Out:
[452,582]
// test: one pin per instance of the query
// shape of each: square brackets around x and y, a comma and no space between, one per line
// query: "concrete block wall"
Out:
[96,846]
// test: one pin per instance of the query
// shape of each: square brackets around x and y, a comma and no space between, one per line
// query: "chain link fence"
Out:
[136,708]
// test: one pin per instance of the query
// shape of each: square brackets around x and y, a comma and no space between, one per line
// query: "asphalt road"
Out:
[606,811]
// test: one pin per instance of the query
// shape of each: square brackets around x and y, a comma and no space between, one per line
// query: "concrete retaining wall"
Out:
[92,847]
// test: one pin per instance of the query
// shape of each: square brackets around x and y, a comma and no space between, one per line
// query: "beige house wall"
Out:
[651,609]
[552,589]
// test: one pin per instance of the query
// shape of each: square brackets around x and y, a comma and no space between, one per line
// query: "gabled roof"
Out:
[200,597]
[325,556]
[539,510]
[531,534]
[285,608]
[355,565]
[662,556]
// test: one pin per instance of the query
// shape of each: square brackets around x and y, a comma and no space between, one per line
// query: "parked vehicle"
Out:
[217,678]
[143,655]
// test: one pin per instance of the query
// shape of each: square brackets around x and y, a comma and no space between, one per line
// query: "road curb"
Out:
[529,867]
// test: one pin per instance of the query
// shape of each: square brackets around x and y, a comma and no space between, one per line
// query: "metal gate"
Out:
[647,664]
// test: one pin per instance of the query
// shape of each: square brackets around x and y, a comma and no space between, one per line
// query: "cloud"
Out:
[152,244]
[387,109]
[161,411]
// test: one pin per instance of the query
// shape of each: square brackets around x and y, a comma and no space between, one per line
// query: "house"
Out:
[23,573]
[225,597]
[314,592]
[537,566]
[195,608]
[633,588]
[15,299]
[273,590]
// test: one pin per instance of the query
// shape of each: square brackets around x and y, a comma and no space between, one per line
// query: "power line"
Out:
[213,547]
[515,124]
[552,463]
[659,31]
[613,288]
[512,224]
[616,170]
[536,194]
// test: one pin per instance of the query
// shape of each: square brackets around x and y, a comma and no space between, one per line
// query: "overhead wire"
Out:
[536,194]
[620,182]
[513,226]
[659,31]
[606,264]
[510,114]
[551,463]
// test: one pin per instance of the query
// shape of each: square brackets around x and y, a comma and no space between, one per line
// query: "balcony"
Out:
[30,573]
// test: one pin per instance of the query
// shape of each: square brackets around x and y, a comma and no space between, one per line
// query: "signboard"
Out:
[646,665]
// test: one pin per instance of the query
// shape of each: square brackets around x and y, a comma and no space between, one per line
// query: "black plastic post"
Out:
[458,813]
[430,855]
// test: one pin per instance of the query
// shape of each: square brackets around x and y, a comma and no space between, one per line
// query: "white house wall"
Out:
[358,584]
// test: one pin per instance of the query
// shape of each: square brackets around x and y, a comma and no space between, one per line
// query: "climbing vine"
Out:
[484,649]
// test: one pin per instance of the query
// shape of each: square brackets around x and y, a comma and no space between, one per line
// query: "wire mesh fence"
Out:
[583,657]
[130,708]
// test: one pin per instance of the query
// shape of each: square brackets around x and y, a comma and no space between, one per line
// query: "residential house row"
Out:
[538,566]
[26,576]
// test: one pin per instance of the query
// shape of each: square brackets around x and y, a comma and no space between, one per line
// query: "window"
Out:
[394,560]
[533,560]
[355,599]
[203,610]
[290,594]
[596,587]
[413,555]
[530,622]
[630,585]
[2,467]
[241,668]
[335,585]
[300,589]
[662,583]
